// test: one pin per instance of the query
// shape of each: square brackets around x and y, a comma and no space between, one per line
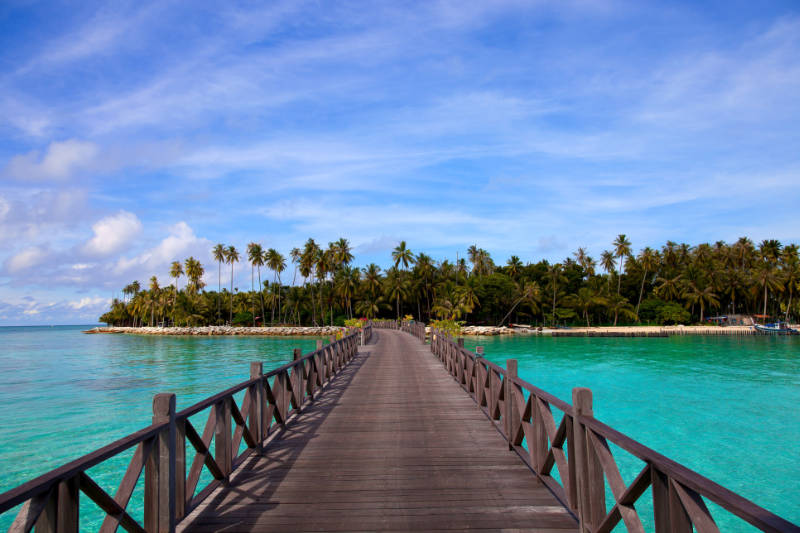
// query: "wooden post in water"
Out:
[511,372]
[159,481]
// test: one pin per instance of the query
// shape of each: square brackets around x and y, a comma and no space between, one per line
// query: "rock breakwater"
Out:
[277,331]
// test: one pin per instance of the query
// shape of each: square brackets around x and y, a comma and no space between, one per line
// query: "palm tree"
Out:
[584,300]
[255,254]
[514,265]
[153,297]
[342,253]
[649,261]
[231,257]
[619,305]
[622,247]
[767,276]
[702,296]
[555,277]
[372,279]
[791,274]
[220,257]
[528,293]
[466,295]
[608,263]
[669,288]
[277,263]
[194,271]
[403,255]
[397,287]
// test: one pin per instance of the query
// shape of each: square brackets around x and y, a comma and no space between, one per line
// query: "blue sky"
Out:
[133,134]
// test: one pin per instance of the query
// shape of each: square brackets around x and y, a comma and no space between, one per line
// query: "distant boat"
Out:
[776,328]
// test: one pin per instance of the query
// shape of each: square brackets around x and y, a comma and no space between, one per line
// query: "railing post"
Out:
[159,488]
[511,372]
[222,436]
[256,404]
[589,475]
[67,519]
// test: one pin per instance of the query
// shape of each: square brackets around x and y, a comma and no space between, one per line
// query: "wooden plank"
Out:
[393,442]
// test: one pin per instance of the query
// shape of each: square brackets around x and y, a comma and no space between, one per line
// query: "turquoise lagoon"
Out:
[725,407]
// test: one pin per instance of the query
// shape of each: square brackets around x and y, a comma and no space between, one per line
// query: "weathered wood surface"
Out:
[393,444]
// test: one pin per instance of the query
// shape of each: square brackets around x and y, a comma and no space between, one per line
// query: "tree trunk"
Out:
[231,315]
[765,301]
[641,291]
[252,294]
[261,294]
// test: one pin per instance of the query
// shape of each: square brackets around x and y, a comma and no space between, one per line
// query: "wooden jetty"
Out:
[381,431]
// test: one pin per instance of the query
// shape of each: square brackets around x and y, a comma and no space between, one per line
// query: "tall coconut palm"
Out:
[696,294]
[555,278]
[401,256]
[231,257]
[220,257]
[649,262]
[584,300]
[277,263]
[791,275]
[308,260]
[529,293]
[767,276]
[372,279]
[175,271]
[255,255]
[622,248]
[513,266]
[608,263]
[194,271]
[154,288]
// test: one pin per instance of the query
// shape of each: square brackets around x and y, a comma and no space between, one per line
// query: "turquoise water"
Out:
[64,393]
[726,407]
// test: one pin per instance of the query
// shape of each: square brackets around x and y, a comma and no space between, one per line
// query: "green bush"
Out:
[648,311]
[243,319]
[672,313]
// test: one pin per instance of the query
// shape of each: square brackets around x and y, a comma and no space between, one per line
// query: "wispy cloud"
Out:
[139,134]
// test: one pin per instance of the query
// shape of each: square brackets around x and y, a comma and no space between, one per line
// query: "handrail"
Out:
[587,467]
[51,501]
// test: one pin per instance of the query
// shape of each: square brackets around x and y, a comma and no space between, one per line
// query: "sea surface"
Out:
[728,408]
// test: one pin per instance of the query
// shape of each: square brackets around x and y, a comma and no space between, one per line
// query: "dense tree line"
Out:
[678,283]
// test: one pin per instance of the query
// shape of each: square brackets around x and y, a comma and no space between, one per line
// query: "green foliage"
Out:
[451,327]
[675,283]
[353,322]
[648,311]
[672,313]
[243,318]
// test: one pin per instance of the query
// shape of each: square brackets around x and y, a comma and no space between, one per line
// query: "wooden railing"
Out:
[51,501]
[415,328]
[578,449]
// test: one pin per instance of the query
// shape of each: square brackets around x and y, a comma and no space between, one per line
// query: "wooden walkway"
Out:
[394,444]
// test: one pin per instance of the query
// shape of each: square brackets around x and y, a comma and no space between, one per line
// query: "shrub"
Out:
[672,313]
[243,319]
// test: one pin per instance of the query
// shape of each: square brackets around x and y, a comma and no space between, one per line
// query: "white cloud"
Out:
[180,243]
[25,259]
[97,302]
[112,233]
[61,161]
